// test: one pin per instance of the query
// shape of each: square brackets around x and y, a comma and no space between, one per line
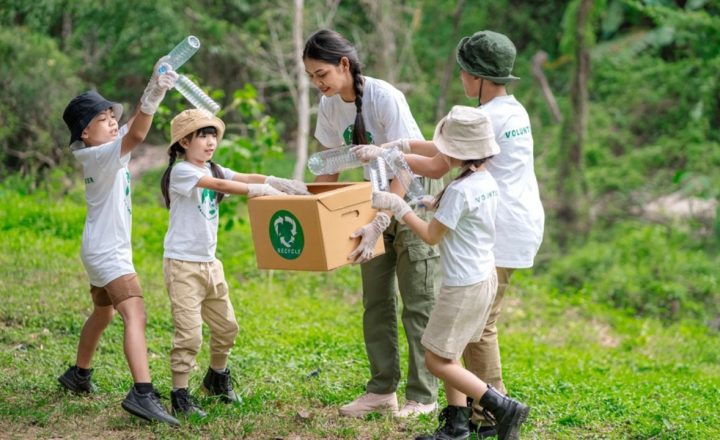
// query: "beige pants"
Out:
[198,293]
[483,357]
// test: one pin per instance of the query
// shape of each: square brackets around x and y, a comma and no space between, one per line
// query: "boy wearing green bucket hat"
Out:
[486,59]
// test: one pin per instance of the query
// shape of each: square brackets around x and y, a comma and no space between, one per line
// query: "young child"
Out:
[104,150]
[194,278]
[358,109]
[464,226]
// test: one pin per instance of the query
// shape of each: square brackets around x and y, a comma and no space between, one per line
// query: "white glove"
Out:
[366,153]
[370,234]
[155,92]
[262,189]
[293,187]
[393,202]
[402,144]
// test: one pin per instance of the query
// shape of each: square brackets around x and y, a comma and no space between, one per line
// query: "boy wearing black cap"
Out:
[103,148]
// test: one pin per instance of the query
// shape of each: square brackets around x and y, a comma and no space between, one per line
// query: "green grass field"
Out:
[588,371]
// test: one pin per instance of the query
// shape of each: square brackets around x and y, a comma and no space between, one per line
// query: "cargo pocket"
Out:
[424,261]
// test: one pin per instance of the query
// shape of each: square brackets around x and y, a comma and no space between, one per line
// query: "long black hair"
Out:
[468,167]
[330,47]
[176,150]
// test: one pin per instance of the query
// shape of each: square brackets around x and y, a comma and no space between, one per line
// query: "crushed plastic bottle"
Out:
[195,95]
[333,160]
[400,168]
[181,53]
[378,175]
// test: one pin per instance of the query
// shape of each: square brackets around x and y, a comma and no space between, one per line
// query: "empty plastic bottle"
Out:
[181,53]
[378,175]
[333,160]
[195,95]
[400,168]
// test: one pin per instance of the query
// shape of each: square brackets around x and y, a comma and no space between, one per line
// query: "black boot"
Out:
[453,424]
[73,381]
[183,404]
[220,384]
[481,431]
[507,413]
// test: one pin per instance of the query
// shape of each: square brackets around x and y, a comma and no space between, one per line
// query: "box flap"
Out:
[345,196]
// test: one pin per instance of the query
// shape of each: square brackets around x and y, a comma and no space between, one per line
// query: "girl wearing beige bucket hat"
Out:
[464,227]
[486,59]
[194,278]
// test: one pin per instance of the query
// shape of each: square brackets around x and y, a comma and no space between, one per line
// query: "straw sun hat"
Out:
[190,121]
[466,133]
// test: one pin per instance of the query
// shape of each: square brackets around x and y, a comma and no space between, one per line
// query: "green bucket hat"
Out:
[488,55]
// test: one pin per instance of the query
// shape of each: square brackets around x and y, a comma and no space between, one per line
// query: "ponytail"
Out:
[331,47]
[174,150]
[218,174]
[468,167]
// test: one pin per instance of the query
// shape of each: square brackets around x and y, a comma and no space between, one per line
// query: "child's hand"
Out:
[370,234]
[155,92]
[262,189]
[392,202]
[293,187]
[366,153]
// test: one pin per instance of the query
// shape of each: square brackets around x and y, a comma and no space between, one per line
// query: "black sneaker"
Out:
[73,381]
[147,406]
[183,404]
[220,384]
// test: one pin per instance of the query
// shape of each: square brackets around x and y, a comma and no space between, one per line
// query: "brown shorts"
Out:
[116,291]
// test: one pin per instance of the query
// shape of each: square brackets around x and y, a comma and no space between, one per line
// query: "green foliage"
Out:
[34,77]
[647,270]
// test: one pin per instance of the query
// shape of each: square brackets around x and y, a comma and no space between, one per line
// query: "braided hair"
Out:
[331,47]
[176,150]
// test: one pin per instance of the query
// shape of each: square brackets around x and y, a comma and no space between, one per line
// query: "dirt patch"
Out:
[147,157]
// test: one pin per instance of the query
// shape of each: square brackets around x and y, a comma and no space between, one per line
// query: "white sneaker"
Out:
[370,402]
[414,409]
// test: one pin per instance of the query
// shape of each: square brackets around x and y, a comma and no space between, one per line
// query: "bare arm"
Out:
[138,127]
[431,233]
[434,167]
[249,178]
[423,148]
[223,185]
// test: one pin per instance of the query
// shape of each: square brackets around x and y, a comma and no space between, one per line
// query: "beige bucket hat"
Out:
[189,121]
[466,133]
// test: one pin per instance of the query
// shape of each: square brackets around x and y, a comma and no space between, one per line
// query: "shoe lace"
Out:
[490,417]
[185,400]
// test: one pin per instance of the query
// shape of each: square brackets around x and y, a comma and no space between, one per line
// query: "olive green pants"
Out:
[416,266]
[482,358]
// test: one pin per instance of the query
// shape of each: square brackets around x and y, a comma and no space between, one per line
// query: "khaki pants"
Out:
[198,293]
[483,358]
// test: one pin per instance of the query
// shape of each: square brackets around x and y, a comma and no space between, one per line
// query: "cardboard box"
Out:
[311,232]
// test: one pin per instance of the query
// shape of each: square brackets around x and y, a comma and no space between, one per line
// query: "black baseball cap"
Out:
[83,108]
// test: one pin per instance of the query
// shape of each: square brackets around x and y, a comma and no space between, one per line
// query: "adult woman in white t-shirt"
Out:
[357,109]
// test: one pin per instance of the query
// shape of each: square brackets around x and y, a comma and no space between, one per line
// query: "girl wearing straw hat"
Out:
[464,227]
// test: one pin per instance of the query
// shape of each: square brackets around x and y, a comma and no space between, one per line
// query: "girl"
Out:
[104,151]
[464,225]
[194,278]
[358,109]
[486,60]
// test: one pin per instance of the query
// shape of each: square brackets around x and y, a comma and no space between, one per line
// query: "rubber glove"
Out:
[155,92]
[262,189]
[370,234]
[392,202]
[293,187]
[366,153]
[402,144]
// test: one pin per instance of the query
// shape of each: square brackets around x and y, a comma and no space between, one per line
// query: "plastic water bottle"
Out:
[378,175]
[195,95]
[400,168]
[333,160]
[181,53]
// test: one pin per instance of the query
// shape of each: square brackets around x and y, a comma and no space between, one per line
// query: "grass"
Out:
[589,371]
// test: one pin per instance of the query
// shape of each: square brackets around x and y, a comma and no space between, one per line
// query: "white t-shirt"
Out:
[385,112]
[520,217]
[468,209]
[192,234]
[106,250]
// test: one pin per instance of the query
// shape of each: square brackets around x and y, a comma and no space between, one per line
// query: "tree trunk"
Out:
[440,110]
[303,94]
[537,62]
[572,214]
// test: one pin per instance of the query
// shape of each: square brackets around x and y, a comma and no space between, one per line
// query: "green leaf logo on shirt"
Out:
[286,235]
[208,203]
[348,133]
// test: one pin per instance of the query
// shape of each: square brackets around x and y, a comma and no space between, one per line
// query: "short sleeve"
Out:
[453,206]
[325,132]
[394,114]
[184,178]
